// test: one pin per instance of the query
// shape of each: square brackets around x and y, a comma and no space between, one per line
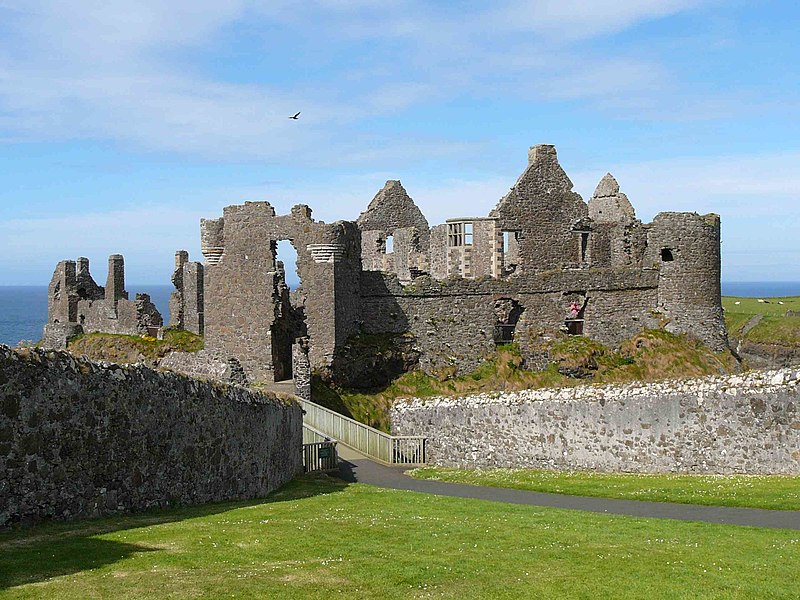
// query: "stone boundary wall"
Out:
[747,423]
[80,439]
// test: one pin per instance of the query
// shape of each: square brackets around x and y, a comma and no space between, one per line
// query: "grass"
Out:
[320,538]
[120,348]
[651,355]
[774,328]
[774,492]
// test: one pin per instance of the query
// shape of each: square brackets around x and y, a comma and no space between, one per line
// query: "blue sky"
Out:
[122,124]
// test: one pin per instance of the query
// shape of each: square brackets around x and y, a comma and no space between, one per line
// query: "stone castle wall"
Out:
[738,424]
[244,286]
[76,304]
[453,321]
[80,439]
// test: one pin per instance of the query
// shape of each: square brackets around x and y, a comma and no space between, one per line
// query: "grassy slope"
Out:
[130,348]
[648,356]
[318,538]
[756,491]
[774,328]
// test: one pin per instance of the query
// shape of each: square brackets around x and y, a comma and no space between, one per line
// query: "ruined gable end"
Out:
[608,204]
[540,212]
[392,208]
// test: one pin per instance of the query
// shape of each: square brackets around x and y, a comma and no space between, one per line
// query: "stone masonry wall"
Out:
[80,439]
[186,302]
[686,249]
[454,321]
[242,296]
[737,424]
[76,304]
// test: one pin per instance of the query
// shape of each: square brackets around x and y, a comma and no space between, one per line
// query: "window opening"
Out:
[574,326]
[289,312]
[389,244]
[468,234]
[459,234]
[584,244]
[286,254]
[666,255]
[454,235]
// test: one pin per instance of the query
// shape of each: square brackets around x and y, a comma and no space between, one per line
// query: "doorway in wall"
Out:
[289,313]
[507,312]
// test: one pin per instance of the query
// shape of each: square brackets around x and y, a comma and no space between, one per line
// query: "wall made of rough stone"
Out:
[80,439]
[242,301]
[76,304]
[453,321]
[128,317]
[186,303]
[392,208]
[738,424]
[542,207]
[438,252]
[689,285]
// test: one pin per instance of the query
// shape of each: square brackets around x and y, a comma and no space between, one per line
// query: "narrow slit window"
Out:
[389,244]
[584,245]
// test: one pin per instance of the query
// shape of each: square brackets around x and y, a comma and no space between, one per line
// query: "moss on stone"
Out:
[119,348]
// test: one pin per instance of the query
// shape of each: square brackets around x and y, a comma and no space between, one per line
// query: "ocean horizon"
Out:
[23,308]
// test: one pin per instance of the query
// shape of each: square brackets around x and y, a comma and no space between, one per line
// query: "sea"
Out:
[23,309]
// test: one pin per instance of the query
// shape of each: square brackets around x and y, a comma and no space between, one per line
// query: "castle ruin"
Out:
[76,304]
[542,262]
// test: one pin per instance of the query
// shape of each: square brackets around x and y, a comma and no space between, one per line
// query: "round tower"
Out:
[685,248]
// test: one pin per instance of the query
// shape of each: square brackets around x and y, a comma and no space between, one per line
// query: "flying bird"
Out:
[295,115]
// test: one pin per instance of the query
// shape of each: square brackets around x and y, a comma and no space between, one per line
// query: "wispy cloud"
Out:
[119,70]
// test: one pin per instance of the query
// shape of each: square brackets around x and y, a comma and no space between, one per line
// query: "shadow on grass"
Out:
[35,554]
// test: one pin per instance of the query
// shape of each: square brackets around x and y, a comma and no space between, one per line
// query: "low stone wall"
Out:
[746,423]
[80,439]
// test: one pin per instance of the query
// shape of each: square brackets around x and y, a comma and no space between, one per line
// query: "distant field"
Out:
[769,306]
[774,328]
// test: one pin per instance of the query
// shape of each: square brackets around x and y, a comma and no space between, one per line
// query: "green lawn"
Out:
[318,538]
[775,492]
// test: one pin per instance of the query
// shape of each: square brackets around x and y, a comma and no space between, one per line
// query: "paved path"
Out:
[356,468]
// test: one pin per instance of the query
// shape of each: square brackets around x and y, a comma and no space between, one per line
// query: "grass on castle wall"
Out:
[776,492]
[651,355]
[120,348]
[320,538]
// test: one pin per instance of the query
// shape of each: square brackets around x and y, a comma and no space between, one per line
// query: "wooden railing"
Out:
[380,446]
[313,436]
[319,451]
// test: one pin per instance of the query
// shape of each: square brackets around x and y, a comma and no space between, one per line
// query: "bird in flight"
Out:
[295,115]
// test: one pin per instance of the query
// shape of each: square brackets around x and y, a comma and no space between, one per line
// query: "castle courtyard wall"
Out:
[746,423]
[453,321]
[81,439]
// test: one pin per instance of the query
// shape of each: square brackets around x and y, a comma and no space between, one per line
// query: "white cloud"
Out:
[123,71]
[577,19]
